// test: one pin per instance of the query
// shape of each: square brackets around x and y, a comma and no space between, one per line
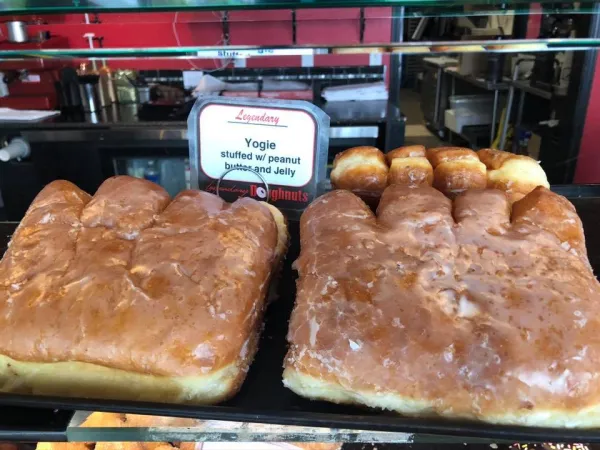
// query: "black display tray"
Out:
[263,398]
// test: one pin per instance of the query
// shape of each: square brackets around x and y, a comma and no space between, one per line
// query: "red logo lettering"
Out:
[263,119]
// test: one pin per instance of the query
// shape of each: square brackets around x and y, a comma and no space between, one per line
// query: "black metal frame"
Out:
[561,168]
[560,149]
[26,422]
[395,129]
[396,59]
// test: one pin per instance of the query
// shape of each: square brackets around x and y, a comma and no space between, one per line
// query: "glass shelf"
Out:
[245,51]
[448,11]
[131,427]
[58,6]
[431,9]
[190,430]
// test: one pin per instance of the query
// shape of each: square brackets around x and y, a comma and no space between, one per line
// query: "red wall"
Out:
[131,30]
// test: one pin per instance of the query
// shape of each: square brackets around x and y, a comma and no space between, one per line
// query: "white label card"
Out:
[268,149]
[278,143]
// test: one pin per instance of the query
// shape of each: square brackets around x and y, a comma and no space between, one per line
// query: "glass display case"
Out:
[115,82]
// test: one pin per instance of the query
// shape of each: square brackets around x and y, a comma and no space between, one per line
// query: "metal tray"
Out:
[263,398]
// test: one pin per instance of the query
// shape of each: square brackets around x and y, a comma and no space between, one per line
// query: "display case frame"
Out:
[57,419]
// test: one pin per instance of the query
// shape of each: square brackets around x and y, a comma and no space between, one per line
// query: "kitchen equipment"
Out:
[495,67]
[546,71]
[125,88]
[489,66]
[17,31]
[474,64]
[3,86]
[108,94]
[456,120]
[435,91]
[89,91]
[41,36]
[69,96]
[143,94]
[17,149]
[472,103]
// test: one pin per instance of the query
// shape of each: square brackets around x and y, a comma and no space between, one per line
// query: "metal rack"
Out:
[250,51]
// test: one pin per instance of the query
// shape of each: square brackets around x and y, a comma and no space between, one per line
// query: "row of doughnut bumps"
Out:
[367,171]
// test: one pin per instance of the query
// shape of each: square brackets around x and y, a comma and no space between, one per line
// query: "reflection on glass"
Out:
[16,6]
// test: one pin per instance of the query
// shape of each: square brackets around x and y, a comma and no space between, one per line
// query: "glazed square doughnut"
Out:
[472,308]
[129,295]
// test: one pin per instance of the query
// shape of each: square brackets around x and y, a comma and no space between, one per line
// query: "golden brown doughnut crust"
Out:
[450,169]
[517,175]
[408,151]
[434,307]
[134,295]
[554,214]
[440,155]
[452,177]
[493,159]
[410,171]
[364,167]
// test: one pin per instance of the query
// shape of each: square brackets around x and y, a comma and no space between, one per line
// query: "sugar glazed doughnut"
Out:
[366,171]
[409,166]
[469,308]
[361,169]
[456,170]
[516,174]
[131,295]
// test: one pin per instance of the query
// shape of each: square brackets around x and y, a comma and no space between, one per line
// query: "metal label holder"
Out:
[285,197]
